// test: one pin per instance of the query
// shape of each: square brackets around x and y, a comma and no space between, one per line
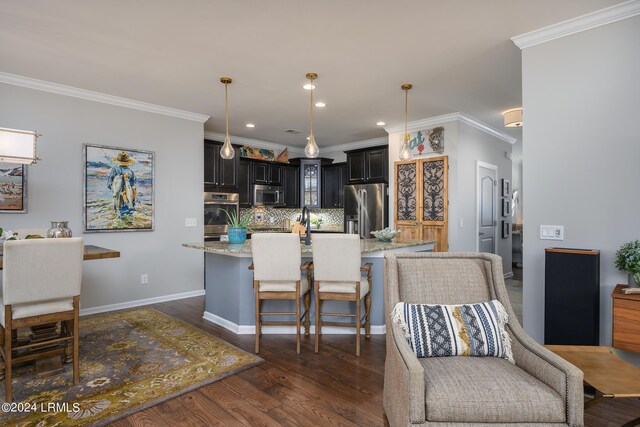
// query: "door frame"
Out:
[485,165]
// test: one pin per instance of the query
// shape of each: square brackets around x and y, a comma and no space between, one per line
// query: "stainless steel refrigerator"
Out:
[365,209]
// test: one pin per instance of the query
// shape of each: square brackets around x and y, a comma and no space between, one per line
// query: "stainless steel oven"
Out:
[268,195]
[215,218]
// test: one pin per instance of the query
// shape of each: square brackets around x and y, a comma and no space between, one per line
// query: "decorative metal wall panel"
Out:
[406,192]
[433,190]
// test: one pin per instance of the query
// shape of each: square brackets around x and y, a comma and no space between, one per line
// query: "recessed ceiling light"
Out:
[320,104]
[250,125]
[308,86]
[381,123]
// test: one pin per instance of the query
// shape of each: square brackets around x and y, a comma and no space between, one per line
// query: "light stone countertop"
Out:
[367,246]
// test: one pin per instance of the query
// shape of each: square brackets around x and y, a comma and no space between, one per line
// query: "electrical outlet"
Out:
[461,222]
[190,222]
[552,232]
[144,279]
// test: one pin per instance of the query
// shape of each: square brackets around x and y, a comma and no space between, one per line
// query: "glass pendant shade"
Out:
[405,153]
[227,152]
[311,150]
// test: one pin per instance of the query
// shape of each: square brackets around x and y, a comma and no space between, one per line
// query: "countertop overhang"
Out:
[370,247]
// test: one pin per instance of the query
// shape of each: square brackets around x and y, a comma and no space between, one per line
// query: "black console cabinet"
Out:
[572,296]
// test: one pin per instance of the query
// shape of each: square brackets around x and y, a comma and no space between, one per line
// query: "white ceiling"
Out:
[457,54]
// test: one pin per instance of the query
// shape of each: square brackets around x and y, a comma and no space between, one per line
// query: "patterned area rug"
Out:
[129,360]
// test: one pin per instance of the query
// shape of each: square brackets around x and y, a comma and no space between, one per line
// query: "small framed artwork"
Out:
[118,189]
[506,229]
[506,187]
[13,188]
[506,207]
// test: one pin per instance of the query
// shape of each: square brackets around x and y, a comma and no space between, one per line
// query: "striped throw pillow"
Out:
[455,330]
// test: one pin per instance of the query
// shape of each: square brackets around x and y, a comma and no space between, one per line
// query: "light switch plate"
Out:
[552,232]
[190,222]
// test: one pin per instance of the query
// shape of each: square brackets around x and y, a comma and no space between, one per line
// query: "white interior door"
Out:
[487,215]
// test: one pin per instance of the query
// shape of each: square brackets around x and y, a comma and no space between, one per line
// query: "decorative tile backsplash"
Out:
[266,216]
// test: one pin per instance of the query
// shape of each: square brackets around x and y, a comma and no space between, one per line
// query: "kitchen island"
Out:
[230,301]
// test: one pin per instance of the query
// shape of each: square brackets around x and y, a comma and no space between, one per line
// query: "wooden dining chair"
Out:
[279,275]
[337,275]
[40,285]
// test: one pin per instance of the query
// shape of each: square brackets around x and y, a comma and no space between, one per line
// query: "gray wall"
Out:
[581,98]
[55,190]
[475,145]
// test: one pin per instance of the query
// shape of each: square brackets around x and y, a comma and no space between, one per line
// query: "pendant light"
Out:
[405,153]
[311,150]
[226,152]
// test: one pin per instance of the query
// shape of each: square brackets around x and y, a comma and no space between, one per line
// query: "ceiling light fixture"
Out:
[381,123]
[18,146]
[308,86]
[513,118]
[311,150]
[320,104]
[250,125]
[405,153]
[226,152]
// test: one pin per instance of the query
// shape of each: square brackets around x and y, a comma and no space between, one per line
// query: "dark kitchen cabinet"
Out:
[334,178]
[369,165]
[291,186]
[310,183]
[244,184]
[218,172]
[268,174]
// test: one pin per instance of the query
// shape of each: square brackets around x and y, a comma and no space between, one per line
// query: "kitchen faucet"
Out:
[307,223]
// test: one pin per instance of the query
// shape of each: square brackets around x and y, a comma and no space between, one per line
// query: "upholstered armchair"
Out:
[539,389]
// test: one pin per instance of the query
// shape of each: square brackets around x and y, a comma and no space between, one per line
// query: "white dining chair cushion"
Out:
[276,256]
[20,311]
[336,257]
[280,286]
[41,270]
[345,287]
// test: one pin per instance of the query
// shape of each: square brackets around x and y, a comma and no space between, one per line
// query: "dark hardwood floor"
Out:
[333,388]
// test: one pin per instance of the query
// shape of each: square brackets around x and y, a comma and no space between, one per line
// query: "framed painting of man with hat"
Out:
[118,189]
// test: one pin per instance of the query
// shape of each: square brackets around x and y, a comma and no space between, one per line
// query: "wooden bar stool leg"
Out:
[8,392]
[307,310]
[298,317]
[318,326]
[256,288]
[76,340]
[367,315]
[358,302]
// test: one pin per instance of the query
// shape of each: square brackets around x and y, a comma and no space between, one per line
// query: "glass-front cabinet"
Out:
[310,182]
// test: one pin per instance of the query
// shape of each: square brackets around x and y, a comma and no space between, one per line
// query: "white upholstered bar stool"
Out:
[337,275]
[279,275]
[40,285]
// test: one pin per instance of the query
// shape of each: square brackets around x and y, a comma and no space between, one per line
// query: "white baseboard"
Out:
[508,274]
[285,330]
[140,302]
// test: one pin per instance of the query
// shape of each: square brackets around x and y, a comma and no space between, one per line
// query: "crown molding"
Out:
[591,20]
[103,98]
[296,150]
[486,128]
[254,143]
[357,145]
[453,117]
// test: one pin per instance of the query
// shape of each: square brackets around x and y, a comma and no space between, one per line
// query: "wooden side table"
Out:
[626,320]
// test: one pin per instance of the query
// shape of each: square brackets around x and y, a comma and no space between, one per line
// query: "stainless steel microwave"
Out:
[267,195]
